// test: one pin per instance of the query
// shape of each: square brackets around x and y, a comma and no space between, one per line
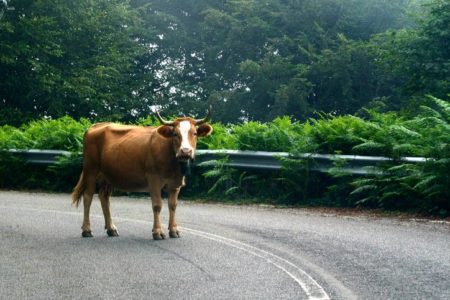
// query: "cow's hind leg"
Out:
[173,201]
[104,195]
[87,201]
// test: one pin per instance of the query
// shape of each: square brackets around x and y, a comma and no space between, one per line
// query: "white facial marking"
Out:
[185,126]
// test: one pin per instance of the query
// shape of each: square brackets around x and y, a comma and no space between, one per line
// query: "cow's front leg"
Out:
[173,201]
[155,194]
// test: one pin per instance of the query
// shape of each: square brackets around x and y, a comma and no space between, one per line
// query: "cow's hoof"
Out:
[174,234]
[112,232]
[159,236]
[87,234]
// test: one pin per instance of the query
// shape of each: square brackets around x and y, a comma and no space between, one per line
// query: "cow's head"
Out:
[184,133]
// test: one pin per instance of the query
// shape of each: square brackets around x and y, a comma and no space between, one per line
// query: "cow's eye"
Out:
[174,134]
[195,133]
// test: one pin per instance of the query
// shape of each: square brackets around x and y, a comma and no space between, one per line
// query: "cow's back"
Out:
[103,136]
[120,154]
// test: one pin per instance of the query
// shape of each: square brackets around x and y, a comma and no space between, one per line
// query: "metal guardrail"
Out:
[260,160]
[353,164]
[254,160]
[39,157]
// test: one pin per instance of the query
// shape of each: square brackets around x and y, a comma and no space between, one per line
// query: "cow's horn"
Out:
[205,119]
[164,122]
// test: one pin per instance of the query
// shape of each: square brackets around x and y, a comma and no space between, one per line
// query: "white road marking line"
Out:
[312,289]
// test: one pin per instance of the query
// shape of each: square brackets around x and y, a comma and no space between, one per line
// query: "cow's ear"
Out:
[204,130]
[165,131]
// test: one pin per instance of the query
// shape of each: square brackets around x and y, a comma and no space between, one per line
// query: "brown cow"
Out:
[136,158]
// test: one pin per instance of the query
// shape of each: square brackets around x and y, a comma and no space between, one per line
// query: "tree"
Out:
[417,61]
[70,57]
[253,60]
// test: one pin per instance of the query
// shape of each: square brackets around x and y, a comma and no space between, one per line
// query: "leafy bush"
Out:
[12,138]
[280,135]
[339,134]
[11,170]
[61,134]
[423,186]
[230,184]
[65,172]
[228,179]
[394,185]
[221,138]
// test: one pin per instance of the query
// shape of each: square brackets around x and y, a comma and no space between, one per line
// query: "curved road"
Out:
[226,252]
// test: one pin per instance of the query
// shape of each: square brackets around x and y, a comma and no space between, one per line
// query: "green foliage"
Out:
[344,78]
[60,57]
[296,178]
[258,136]
[416,61]
[226,179]
[227,183]
[419,187]
[397,184]
[221,138]
[11,170]
[339,134]
[279,135]
[61,134]
[65,172]
[253,60]
[423,186]
[12,138]
[148,121]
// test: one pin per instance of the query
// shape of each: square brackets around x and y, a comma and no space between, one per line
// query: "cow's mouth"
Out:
[184,158]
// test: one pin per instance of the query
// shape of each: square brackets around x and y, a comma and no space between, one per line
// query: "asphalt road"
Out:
[225,252]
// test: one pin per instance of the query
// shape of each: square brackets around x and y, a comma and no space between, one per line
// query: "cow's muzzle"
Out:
[185,154]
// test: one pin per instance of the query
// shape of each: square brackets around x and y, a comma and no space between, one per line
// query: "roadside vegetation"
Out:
[420,187]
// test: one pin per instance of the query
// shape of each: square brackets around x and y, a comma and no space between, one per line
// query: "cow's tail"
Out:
[78,191]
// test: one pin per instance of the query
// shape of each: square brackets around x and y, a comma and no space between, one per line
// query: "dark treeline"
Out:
[252,60]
